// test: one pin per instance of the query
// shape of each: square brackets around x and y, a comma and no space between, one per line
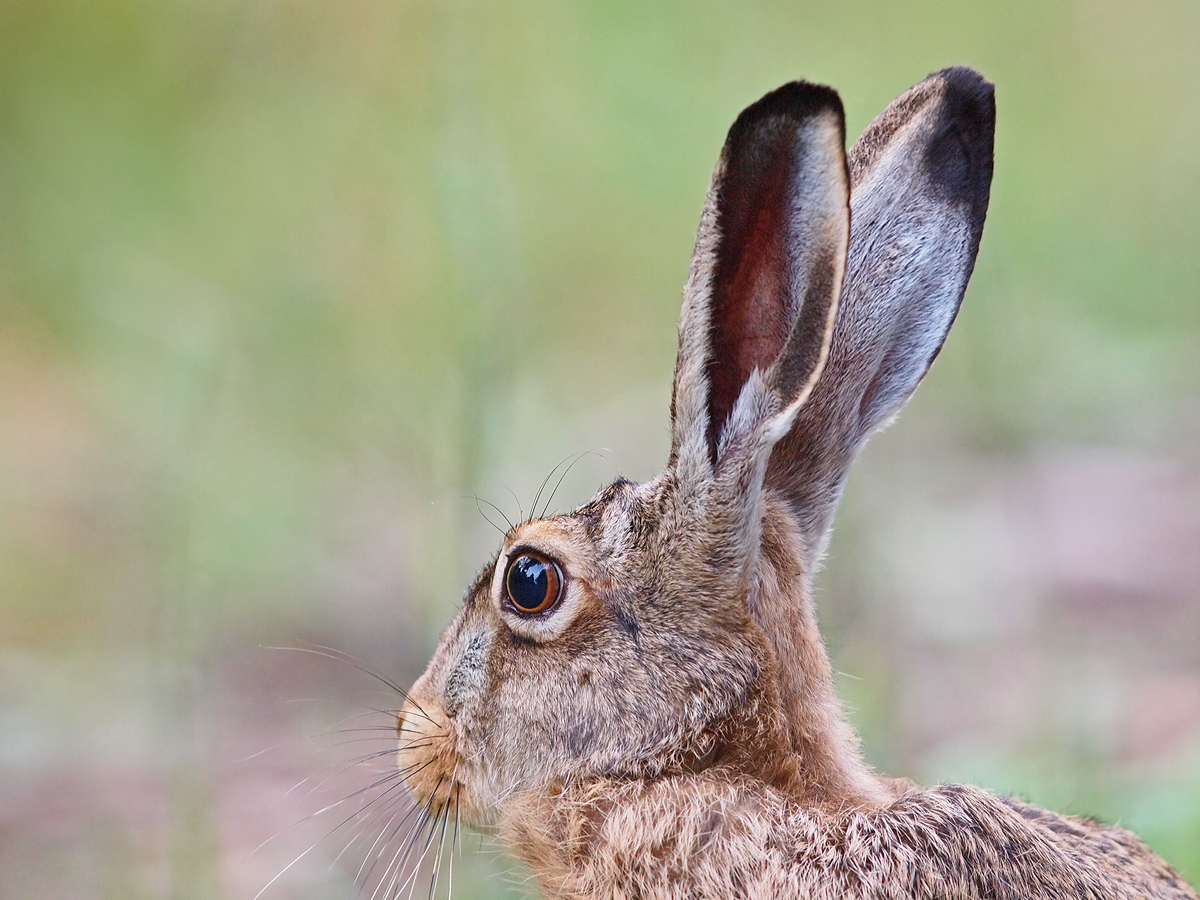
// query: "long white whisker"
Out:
[357,761]
[437,865]
[390,810]
[341,656]
[424,852]
[397,861]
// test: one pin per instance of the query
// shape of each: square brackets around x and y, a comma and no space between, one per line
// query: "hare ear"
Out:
[767,270]
[920,179]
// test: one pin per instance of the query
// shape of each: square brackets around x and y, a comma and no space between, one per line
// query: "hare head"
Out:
[667,627]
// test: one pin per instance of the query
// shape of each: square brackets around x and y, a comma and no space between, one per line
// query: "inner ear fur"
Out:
[770,257]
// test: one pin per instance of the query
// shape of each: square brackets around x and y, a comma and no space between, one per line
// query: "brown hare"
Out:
[635,696]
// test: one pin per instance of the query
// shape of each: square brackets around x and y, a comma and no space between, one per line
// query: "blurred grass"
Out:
[282,283]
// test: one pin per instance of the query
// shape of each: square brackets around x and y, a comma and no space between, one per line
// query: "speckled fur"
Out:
[718,835]
[669,728]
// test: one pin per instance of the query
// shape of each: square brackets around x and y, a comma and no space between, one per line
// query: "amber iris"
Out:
[533,583]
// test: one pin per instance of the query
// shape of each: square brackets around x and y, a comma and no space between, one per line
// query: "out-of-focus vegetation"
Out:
[284,284]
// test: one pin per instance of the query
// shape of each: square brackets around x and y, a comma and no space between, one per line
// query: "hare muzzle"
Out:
[428,753]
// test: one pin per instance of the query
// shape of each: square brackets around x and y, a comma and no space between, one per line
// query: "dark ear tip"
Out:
[959,151]
[969,98]
[961,155]
[970,84]
[796,100]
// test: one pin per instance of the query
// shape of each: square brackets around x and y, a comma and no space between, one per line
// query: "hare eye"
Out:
[532,583]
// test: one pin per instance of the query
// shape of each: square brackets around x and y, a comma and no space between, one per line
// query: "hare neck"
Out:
[674,836]
[830,761]
[628,838]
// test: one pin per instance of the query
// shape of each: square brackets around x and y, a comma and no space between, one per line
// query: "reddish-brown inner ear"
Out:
[750,320]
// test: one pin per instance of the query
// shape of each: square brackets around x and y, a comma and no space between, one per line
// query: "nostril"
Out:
[400,722]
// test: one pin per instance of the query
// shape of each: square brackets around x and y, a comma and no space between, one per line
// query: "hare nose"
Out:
[400,722]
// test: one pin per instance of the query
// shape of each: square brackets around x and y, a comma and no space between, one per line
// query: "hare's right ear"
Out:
[920,176]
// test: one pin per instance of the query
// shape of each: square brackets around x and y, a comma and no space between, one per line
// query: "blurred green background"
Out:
[284,284]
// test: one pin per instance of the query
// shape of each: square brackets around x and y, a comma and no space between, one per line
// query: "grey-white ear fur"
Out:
[920,182]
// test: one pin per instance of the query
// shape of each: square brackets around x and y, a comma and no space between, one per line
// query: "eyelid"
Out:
[520,549]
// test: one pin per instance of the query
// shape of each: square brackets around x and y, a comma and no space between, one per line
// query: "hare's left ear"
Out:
[765,279]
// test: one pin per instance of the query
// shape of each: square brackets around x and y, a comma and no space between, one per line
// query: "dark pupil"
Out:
[528,582]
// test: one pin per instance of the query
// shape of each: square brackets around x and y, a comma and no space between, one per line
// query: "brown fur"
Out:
[670,727]
[719,835]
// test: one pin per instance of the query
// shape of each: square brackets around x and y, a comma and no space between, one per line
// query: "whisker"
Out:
[358,876]
[479,500]
[376,817]
[390,714]
[368,822]
[557,484]
[362,729]
[321,839]
[437,865]
[389,809]
[332,729]
[403,730]
[400,776]
[310,737]
[310,816]
[375,739]
[266,750]
[357,761]
[416,829]
[545,481]
[457,836]
[453,841]
[337,702]
[371,712]
[479,509]
[437,862]
[424,852]
[565,473]
[341,656]
[400,861]
[516,500]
